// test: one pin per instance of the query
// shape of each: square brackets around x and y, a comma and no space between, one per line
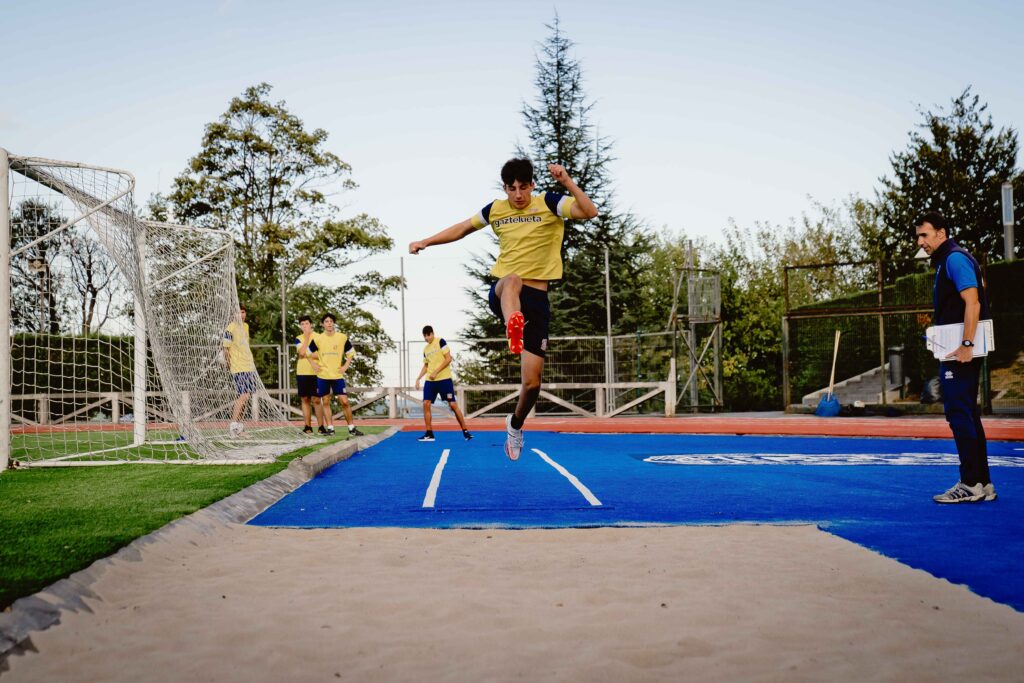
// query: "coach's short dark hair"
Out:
[427,329]
[306,319]
[326,316]
[517,169]
[937,220]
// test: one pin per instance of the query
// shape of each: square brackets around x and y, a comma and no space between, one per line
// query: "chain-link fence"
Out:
[882,357]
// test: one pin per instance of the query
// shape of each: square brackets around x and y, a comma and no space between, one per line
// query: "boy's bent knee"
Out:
[511,280]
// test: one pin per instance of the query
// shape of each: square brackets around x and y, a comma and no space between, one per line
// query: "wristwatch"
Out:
[967,342]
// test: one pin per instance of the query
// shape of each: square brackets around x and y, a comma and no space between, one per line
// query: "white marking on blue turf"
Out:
[435,481]
[823,459]
[591,498]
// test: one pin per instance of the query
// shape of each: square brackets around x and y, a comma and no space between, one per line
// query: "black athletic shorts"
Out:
[307,385]
[537,312]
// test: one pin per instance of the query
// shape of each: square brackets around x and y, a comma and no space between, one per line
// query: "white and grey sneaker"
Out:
[962,493]
[990,492]
[513,440]
[236,429]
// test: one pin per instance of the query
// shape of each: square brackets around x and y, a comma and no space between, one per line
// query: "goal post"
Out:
[139,352]
[5,310]
[108,314]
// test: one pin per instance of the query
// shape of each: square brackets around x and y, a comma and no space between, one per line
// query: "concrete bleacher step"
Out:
[866,387]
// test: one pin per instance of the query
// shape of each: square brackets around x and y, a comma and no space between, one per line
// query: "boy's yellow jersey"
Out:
[434,355]
[303,366]
[332,349]
[530,239]
[236,341]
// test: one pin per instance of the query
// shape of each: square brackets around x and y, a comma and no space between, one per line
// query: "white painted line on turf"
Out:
[435,481]
[591,498]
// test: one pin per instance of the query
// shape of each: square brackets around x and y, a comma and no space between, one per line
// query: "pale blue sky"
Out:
[730,110]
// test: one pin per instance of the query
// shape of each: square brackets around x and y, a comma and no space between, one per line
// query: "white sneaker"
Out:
[513,440]
[990,492]
[962,493]
[236,428]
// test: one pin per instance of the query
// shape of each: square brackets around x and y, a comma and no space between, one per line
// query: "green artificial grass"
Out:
[56,521]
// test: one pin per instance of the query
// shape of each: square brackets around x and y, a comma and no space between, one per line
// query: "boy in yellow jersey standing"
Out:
[242,367]
[530,230]
[305,374]
[334,354]
[437,360]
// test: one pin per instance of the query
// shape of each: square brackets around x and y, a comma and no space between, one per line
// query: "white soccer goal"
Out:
[115,329]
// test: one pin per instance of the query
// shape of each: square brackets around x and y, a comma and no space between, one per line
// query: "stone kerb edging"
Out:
[42,610]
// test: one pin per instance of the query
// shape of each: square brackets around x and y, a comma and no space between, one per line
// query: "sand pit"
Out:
[227,602]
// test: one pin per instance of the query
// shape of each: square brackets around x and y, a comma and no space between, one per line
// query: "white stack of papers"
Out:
[943,340]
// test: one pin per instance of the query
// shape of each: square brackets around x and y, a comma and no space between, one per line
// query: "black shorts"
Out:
[537,312]
[307,385]
[444,388]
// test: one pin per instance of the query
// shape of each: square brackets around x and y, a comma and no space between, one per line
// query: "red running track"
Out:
[998,429]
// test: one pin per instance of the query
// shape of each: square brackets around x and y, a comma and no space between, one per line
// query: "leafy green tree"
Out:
[955,162]
[751,262]
[263,176]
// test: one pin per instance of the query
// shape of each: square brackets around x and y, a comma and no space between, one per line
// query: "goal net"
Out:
[117,328]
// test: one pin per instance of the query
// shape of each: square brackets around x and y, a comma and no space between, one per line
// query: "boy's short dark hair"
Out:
[241,307]
[427,329]
[937,220]
[306,319]
[326,316]
[517,169]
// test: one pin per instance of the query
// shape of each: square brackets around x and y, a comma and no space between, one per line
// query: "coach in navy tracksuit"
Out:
[959,297]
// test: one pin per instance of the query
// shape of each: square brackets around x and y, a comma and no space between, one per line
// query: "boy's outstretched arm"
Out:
[452,234]
[584,207]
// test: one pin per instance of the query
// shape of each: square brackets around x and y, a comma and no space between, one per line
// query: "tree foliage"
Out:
[955,162]
[261,175]
[750,263]
[38,301]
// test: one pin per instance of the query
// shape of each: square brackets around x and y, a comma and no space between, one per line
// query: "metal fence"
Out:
[882,359]
[646,373]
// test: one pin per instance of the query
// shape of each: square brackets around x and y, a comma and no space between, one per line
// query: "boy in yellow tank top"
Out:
[306,369]
[240,362]
[437,366]
[530,231]
[334,354]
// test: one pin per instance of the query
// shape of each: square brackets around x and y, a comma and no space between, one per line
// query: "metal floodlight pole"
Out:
[608,353]
[5,311]
[402,371]
[1008,221]
[283,370]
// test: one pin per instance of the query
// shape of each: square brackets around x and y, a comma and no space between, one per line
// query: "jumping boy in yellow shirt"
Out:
[530,231]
